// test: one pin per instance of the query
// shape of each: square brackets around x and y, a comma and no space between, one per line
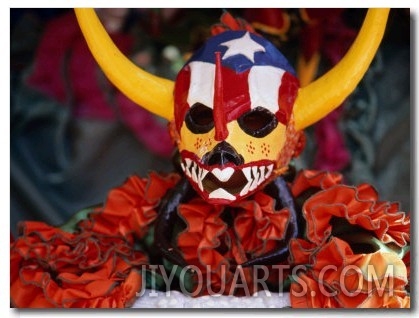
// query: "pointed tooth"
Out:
[193,172]
[262,175]
[270,168]
[253,185]
[224,174]
[255,178]
[201,175]
[200,186]
[255,173]
[247,173]
[183,166]
[245,190]
[204,172]
[221,194]
[188,163]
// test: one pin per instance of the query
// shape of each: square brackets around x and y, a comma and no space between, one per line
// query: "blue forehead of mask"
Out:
[239,62]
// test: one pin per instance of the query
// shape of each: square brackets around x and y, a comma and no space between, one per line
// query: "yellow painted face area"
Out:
[252,149]
[199,144]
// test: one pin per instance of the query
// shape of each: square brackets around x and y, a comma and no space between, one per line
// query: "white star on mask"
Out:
[244,46]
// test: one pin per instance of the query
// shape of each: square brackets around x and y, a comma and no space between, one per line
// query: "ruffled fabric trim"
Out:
[259,226]
[359,206]
[215,248]
[313,179]
[335,277]
[338,218]
[202,237]
[94,261]
[53,268]
[131,208]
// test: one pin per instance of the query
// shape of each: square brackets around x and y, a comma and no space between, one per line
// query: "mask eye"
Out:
[258,122]
[199,119]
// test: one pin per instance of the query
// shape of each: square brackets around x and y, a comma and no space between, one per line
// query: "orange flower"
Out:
[305,292]
[314,180]
[53,268]
[359,206]
[130,208]
[333,277]
[259,226]
[385,278]
[202,241]
[216,249]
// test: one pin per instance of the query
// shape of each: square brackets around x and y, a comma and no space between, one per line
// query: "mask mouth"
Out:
[223,184]
[227,178]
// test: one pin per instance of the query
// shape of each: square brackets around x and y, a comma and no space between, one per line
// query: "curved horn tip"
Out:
[322,96]
[151,92]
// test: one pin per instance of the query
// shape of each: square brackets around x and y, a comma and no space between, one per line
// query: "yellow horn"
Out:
[148,91]
[320,97]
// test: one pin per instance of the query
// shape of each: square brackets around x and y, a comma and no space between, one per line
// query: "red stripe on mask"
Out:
[220,120]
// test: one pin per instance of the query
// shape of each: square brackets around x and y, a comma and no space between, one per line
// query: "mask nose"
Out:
[223,154]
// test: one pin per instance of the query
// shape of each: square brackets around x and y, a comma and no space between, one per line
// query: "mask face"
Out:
[233,103]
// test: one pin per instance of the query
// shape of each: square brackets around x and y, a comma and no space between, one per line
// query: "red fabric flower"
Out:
[228,22]
[130,208]
[334,277]
[204,227]
[216,249]
[202,241]
[259,226]
[53,268]
[378,224]
[358,205]
[313,179]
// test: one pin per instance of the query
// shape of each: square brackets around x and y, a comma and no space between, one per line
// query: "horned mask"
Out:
[236,110]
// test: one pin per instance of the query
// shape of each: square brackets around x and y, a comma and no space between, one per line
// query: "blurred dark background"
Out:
[74,136]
